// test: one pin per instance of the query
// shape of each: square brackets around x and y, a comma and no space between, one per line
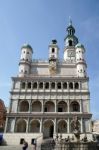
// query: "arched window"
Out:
[48,129]
[23,85]
[35,85]
[70,43]
[41,85]
[62,106]
[71,32]
[21,126]
[25,71]
[59,85]
[49,107]
[76,85]
[24,106]
[62,126]
[64,85]
[52,85]
[35,126]
[29,85]
[36,106]
[53,50]
[47,85]
[71,85]
[75,107]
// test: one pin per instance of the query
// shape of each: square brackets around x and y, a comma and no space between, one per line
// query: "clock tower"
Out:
[70,41]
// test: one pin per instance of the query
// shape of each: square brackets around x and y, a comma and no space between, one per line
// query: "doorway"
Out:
[48,129]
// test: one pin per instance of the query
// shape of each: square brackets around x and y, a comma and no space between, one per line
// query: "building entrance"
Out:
[48,129]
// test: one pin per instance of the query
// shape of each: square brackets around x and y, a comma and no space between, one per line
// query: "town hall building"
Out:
[46,95]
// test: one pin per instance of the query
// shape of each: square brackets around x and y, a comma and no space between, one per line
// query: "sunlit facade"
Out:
[47,94]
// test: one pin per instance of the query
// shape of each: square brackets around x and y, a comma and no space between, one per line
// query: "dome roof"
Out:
[79,45]
[27,46]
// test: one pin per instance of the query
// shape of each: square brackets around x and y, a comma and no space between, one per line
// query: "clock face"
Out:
[71,53]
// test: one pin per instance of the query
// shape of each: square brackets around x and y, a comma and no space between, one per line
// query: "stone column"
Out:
[73,85]
[62,86]
[80,105]
[68,126]
[55,127]
[27,128]
[43,86]
[90,126]
[80,86]
[56,86]
[81,125]
[14,125]
[41,125]
[50,86]
[26,84]
[31,86]
[42,105]
[68,106]
[6,123]
[55,106]
[29,106]
[18,103]
[67,85]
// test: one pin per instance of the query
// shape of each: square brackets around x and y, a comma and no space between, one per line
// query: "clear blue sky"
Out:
[39,21]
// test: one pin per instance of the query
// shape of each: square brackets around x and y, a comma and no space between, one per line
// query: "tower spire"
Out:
[70,21]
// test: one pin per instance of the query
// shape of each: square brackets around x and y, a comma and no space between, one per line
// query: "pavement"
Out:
[17,148]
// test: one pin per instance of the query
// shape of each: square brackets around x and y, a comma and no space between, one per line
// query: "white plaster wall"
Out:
[17,85]
[14,138]
[79,68]
[23,68]
[64,69]
[40,70]
[80,54]
[26,56]
[10,125]
[85,106]
[87,125]
[84,85]
[55,53]
[14,106]
[14,96]
[68,71]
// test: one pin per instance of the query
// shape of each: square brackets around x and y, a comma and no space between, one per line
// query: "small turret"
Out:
[53,50]
[80,60]
[53,56]
[25,60]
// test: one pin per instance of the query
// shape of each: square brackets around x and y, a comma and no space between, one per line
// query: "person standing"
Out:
[25,145]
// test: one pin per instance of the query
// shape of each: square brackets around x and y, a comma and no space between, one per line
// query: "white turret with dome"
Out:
[80,60]
[25,60]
